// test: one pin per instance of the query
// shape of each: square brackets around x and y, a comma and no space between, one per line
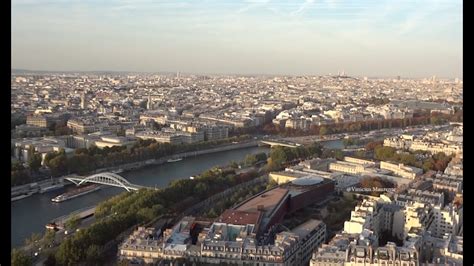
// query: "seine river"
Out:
[31,214]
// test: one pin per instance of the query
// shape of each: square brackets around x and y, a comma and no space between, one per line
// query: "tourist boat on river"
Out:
[174,160]
[76,193]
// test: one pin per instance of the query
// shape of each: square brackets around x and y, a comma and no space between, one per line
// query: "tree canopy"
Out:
[19,258]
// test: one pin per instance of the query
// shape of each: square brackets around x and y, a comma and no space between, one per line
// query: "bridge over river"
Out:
[106,178]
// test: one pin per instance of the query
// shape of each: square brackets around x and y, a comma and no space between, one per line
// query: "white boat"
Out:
[191,177]
[174,160]
[118,171]
[52,226]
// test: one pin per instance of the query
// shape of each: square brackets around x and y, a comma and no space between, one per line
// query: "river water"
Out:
[33,213]
[30,215]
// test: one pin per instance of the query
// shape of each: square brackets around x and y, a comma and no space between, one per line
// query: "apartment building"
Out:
[423,196]
[225,243]
[447,220]
[85,126]
[366,163]
[160,137]
[418,217]
[347,167]
[402,170]
[366,215]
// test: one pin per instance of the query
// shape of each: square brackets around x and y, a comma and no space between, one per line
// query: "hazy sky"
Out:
[370,38]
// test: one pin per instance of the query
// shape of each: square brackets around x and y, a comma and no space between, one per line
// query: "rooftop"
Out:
[304,229]
[265,202]
[239,217]
[307,180]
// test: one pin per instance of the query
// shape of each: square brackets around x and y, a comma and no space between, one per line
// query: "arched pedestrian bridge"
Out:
[280,143]
[106,178]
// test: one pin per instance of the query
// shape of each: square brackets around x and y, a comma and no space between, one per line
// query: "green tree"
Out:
[234,164]
[428,165]
[72,223]
[146,214]
[372,145]
[323,131]
[19,177]
[80,163]
[261,156]
[58,165]
[436,120]
[348,142]
[278,156]
[34,161]
[338,154]
[17,166]
[315,149]
[48,238]
[49,156]
[384,153]
[250,160]
[271,183]
[19,258]
[33,239]
[360,154]
[70,252]
[50,260]
[93,255]
[81,151]
[212,213]
[201,188]
[408,159]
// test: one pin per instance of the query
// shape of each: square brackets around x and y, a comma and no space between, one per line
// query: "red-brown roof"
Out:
[236,217]
[264,202]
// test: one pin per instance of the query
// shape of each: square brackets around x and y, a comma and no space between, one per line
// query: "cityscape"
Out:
[213,167]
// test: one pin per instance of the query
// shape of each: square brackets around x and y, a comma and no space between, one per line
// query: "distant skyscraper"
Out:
[177,75]
[149,103]
[83,100]
[398,77]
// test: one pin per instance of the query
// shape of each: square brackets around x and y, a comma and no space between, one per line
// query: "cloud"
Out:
[252,4]
[303,7]
[314,33]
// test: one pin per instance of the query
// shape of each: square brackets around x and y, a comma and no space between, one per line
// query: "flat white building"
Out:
[402,170]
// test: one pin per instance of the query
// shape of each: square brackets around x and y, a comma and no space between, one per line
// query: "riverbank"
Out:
[34,188]
[153,162]
[30,215]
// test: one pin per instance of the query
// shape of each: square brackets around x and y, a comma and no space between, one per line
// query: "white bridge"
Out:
[280,143]
[106,178]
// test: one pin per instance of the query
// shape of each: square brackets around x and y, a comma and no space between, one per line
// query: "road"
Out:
[58,238]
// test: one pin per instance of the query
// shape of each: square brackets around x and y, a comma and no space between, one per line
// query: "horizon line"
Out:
[224,74]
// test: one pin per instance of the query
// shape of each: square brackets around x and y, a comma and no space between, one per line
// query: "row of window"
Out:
[396,263]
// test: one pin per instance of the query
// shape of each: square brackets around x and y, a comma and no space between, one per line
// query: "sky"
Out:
[375,38]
